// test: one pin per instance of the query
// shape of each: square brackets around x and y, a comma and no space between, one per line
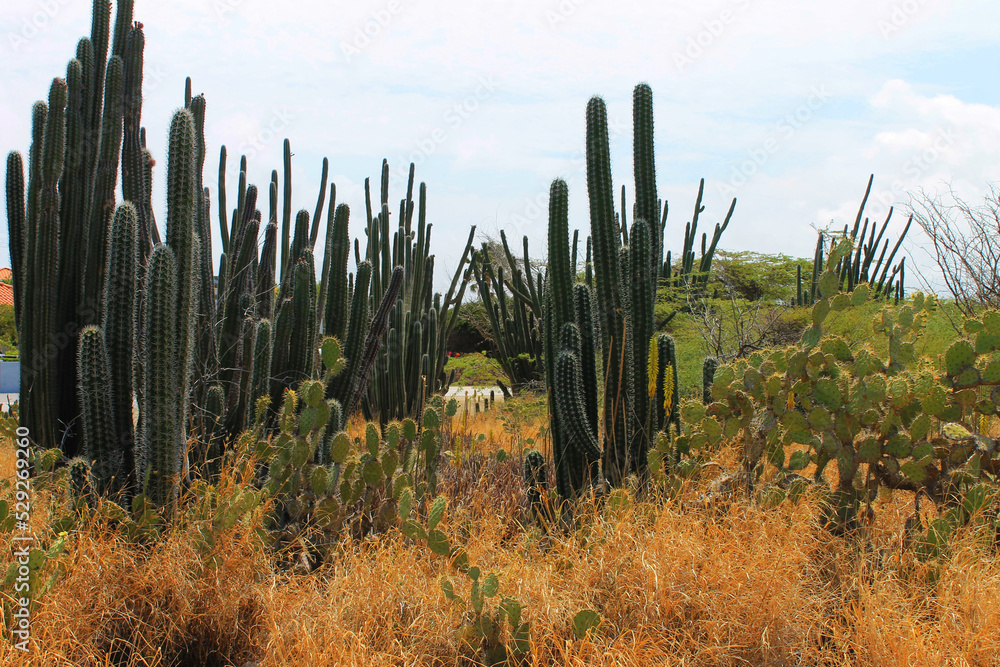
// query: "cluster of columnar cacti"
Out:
[201,355]
[570,364]
[685,275]
[899,419]
[886,280]
[410,366]
[640,383]
[80,261]
[515,319]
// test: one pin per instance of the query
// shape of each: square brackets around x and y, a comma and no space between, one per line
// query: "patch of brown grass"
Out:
[674,585]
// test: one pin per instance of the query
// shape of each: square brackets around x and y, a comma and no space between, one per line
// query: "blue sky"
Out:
[787,105]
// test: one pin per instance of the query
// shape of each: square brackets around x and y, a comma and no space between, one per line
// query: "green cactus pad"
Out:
[973,326]
[991,374]
[869,450]
[436,513]
[959,356]
[970,377]
[829,284]
[331,353]
[987,342]
[991,320]
[841,302]
[955,432]
[438,543]
[827,392]
[692,412]
[819,419]
[820,311]
[811,336]
[372,473]
[372,439]
[920,427]
[837,347]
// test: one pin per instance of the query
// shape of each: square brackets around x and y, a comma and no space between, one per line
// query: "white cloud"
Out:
[754,65]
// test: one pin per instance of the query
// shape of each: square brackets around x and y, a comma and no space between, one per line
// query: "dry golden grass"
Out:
[674,584]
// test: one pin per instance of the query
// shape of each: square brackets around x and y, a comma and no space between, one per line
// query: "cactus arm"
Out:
[317,216]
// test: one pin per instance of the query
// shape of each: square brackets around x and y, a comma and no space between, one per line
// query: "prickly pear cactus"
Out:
[894,421]
[326,484]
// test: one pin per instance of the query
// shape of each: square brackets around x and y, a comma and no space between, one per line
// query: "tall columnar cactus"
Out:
[379,325]
[334,299]
[569,359]
[16,228]
[121,296]
[563,388]
[708,368]
[647,205]
[340,386]
[182,195]
[100,438]
[105,180]
[607,249]
[41,405]
[261,364]
[687,275]
[642,288]
[159,463]
[588,360]
[640,391]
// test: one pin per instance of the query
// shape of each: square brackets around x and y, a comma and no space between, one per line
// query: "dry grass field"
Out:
[675,583]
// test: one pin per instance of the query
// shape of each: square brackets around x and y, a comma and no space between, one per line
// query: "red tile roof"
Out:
[6,290]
